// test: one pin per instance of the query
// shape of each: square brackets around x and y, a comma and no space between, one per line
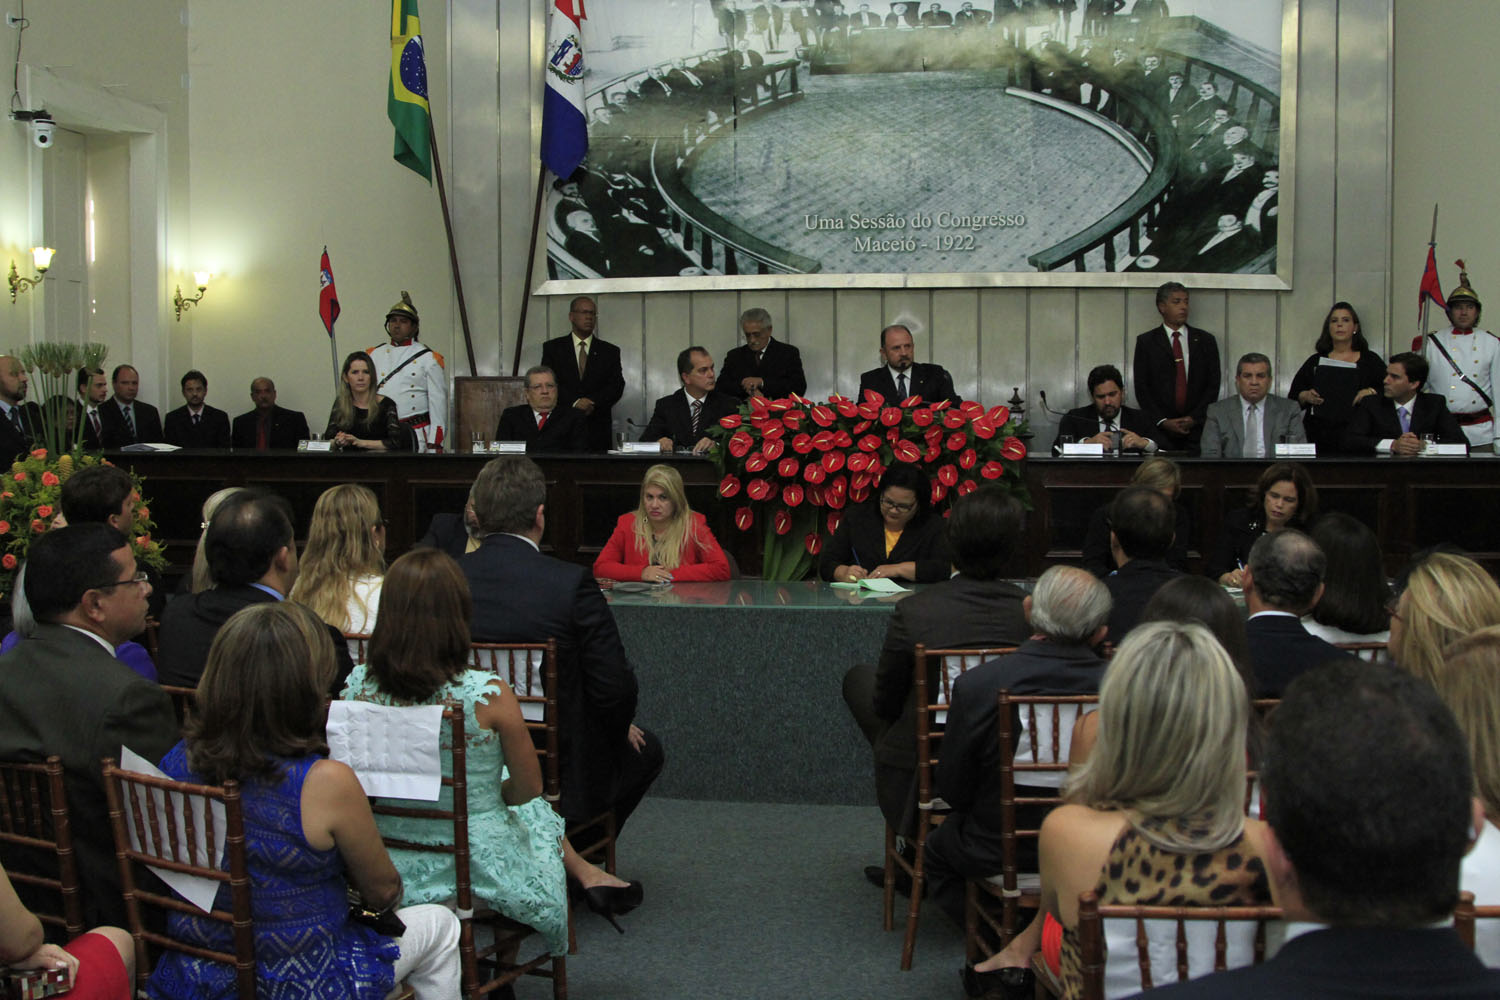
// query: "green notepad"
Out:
[880,585]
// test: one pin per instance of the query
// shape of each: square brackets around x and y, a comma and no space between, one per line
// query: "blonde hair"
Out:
[1171,744]
[1468,679]
[203,578]
[340,549]
[1160,474]
[668,549]
[1447,597]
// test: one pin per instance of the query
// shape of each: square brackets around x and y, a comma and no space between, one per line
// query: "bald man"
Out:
[267,426]
[20,421]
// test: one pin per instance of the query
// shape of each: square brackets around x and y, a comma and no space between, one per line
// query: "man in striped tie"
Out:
[682,419]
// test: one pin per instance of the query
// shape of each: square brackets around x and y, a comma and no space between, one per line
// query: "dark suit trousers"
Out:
[895,787]
[638,769]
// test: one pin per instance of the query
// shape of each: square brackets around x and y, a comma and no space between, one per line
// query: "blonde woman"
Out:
[663,539]
[343,562]
[1447,596]
[361,417]
[202,579]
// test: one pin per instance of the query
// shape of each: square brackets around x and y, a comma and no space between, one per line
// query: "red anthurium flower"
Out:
[744,517]
[791,495]
[870,411]
[730,422]
[939,491]
[860,495]
[921,416]
[954,419]
[788,468]
[729,487]
[823,440]
[835,518]
[815,494]
[958,441]
[782,522]
[971,408]
[869,442]
[758,489]
[740,444]
[779,405]
[941,404]
[871,396]
[992,470]
[998,415]
[1013,448]
[774,430]
[860,481]
[835,499]
[893,435]
[814,473]
[813,542]
[876,469]
[833,461]
[932,452]
[966,487]
[983,428]
[968,458]
[843,439]
[948,475]
[802,444]
[861,427]
[890,416]
[906,451]
[793,418]
[756,462]
[933,435]
[758,406]
[858,462]
[773,448]
[822,416]
[911,401]
[846,407]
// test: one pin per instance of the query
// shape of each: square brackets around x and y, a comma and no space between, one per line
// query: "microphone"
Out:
[1042,395]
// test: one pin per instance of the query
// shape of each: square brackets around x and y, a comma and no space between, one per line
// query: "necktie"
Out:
[583,359]
[542,420]
[196,417]
[1405,417]
[94,422]
[1179,379]
[263,434]
[697,415]
[129,423]
[758,356]
[901,385]
[15,419]
[1254,446]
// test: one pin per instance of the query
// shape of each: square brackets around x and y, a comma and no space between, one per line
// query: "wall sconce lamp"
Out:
[42,258]
[200,278]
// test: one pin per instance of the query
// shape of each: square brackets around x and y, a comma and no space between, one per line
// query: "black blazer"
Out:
[1100,561]
[674,419]
[1281,650]
[117,435]
[860,541]
[212,430]
[447,532]
[603,381]
[1239,531]
[931,382]
[521,595]
[16,443]
[288,429]
[1084,423]
[1375,420]
[1325,428]
[566,429]
[1130,588]
[91,440]
[1156,375]
[780,367]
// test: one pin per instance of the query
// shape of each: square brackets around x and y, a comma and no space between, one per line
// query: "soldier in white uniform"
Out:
[413,376]
[1465,366]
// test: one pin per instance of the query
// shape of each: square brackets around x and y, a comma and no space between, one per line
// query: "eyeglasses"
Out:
[140,577]
[898,508]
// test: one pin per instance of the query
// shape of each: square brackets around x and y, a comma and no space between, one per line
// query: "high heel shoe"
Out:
[610,901]
[1001,984]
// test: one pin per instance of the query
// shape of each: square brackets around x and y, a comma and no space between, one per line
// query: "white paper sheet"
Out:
[195,889]
[393,751]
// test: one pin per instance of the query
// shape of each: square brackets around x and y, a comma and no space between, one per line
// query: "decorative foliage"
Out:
[786,458]
[30,503]
[52,366]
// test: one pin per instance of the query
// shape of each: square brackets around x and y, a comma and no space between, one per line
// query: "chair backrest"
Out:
[1465,916]
[359,646]
[1127,949]
[33,824]
[530,668]
[934,672]
[177,831]
[1370,652]
[184,699]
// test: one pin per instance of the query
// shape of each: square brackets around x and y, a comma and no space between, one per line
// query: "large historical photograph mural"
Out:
[740,137]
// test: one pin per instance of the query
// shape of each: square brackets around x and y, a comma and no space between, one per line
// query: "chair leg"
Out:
[889,913]
[917,885]
[559,978]
[971,923]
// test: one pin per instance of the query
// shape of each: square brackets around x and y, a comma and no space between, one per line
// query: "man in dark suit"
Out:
[1368,789]
[268,426]
[589,377]
[455,534]
[682,419]
[762,366]
[62,691]
[1283,582]
[1142,525]
[974,609]
[521,595]
[936,17]
[196,424]
[1394,423]
[20,421]
[125,419]
[539,422]
[92,386]
[1176,371]
[1067,610]
[901,376]
[1097,424]
[105,494]
[252,556]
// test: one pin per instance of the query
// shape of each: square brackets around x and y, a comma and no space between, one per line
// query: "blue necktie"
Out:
[1405,418]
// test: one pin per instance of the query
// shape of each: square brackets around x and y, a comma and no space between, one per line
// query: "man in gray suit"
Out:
[1250,423]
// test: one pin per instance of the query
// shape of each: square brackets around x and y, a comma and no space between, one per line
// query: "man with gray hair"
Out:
[539,422]
[1069,613]
[1283,582]
[763,366]
[1251,422]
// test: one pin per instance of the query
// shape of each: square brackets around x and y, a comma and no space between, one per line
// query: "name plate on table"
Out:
[1083,449]
[507,447]
[1445,450]
[1305,449]
[640,448]
[314,445]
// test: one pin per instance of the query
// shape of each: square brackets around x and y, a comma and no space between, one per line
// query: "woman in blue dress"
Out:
[309,832]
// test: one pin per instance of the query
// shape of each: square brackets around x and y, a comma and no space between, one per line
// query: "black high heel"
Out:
[610,901]
[1001,984]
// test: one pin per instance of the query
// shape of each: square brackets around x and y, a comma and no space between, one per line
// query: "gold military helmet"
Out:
[1464,292]
[404,308]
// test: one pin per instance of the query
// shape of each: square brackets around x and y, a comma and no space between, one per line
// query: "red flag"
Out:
[328,296]
[1430,286]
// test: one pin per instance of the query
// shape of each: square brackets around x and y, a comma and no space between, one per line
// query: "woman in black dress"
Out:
[893,535]
[361,417]
[1341,340]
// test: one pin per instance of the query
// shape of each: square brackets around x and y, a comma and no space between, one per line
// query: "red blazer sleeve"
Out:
[620,559]
[703,559]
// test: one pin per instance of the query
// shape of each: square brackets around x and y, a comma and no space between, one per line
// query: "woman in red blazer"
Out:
[663,539]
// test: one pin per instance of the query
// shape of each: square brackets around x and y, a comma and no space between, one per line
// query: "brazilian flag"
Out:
[406,105]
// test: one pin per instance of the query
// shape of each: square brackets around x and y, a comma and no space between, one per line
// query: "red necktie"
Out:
[262,434]
[1179,382]
[543,421]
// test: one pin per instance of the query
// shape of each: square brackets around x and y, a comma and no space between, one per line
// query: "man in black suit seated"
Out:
[973,609]
[681,420]
[539,422]
[63,692]
[1176,371]
[125,419]
[1142,525]
[105,494]
[762,366]
[1395,423]
[252,556]
[268,426]
[20,421]
[1368,794]
[1067,611]
[901,375]
[1283,582]
[521,595]
[195,424]
[589,377]
[1096,424]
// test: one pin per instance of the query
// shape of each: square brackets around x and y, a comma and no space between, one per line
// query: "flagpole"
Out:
[1427,299]
[536,221]
[458,283]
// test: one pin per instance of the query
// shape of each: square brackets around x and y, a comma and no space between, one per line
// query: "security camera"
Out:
[42,127]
